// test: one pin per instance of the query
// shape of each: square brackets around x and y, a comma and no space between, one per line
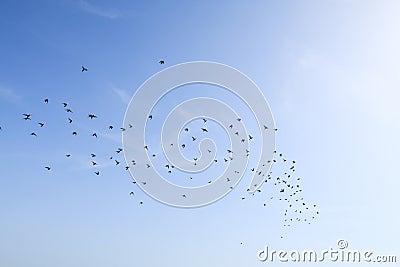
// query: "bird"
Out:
[69,120]
[194,138]
[183,145]
[27,116]
[150,117]
[33,134]
[250,137]
[93,155]
[46,100]
[119,150]
[68,155]
[84,69]
[186,129]
[204,120]
[74,133]
[204,130]
[41,124]
[97,173]
[68,110]
[131,193]
[65,104]
[110,127]
[92,116]
[48,168]
[161,62]
[117,162]
[95,135]
[93,163]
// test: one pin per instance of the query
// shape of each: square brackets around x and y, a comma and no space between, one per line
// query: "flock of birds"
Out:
[287,186]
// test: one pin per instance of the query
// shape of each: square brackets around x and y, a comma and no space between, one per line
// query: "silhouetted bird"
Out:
[46,100]
[110,127]
[97,173]
[69,120]
[65,104]
[27,116]
[204,130]
[84,69]
[74,133]
[41,124]
[161,62]
[48,168]
[95,135]
[34,134]
[92,116]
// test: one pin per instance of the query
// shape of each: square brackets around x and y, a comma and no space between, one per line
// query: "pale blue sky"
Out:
[329,70]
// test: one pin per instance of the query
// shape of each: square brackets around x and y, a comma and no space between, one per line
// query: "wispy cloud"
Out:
[109,13]
[122,94]
[9,94]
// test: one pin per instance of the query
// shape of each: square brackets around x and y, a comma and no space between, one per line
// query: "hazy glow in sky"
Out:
[329,70]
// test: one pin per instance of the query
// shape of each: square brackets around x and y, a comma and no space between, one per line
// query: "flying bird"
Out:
[46,100]
[41,124]
[161,62]
[33,134]
[69,120]
[48,168]
[84,69]
[92,116]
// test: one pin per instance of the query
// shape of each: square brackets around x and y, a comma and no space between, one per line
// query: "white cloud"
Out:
[110,13]
[122,94]
[9,94]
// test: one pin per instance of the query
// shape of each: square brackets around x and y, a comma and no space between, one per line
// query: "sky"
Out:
[328,69]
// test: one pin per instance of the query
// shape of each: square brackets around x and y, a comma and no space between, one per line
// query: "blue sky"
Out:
[329,70]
